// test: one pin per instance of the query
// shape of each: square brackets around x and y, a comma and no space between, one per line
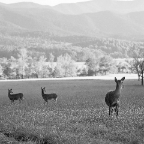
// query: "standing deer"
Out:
[112,97]
[13,97]
[47,97]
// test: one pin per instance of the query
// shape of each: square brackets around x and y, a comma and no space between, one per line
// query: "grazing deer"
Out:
[112,97]
[47,97]
[13,97]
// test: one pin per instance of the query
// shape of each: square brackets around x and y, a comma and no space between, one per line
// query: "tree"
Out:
[14,67]
[51,62]
[138,62]
[22,62]
[123,66]
[39,66]
[93,66]
[1,71]
[7,70]
[82,71]
[87,54]
[65,66]
[105,64]
[5,63]
[30,69]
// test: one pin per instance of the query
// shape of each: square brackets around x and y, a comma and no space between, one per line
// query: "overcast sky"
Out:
[43,2]
[48,2]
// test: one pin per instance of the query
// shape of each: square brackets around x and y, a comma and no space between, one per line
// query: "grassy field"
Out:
[80,115]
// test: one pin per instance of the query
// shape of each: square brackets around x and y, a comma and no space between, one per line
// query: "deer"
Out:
[47,97]
[13,97]
[112,97]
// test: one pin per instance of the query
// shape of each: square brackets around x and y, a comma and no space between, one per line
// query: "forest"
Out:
[37,54]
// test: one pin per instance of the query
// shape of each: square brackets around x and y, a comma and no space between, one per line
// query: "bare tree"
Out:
[51,63]
[39,66]
[65,66]
[22,61]
[138,62]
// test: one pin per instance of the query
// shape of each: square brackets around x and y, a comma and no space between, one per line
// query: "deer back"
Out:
[49,96]
[111,98]
[16,96]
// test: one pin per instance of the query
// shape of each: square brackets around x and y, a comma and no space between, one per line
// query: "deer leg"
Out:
[109,110]
[112,109]
[12,101]
[116,110]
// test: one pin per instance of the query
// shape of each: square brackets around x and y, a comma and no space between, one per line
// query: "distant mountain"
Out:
[93,6]
[20,5]
[33,17]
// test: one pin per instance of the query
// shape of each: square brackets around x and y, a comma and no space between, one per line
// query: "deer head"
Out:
[43,89]
[119,83]
[10,91]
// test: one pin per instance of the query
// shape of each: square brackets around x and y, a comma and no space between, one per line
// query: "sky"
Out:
[48,2]
[43,2]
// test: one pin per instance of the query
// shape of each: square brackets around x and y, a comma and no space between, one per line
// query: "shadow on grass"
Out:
[23,137]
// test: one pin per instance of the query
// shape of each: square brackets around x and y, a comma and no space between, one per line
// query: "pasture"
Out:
[80,115]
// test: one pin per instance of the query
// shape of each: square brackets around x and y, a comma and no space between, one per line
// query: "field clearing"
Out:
[104,77]
[80,115]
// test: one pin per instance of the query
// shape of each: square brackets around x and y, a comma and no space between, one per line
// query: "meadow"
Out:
[80,115]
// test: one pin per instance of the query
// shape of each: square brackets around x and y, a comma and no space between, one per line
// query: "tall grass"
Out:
[79,117]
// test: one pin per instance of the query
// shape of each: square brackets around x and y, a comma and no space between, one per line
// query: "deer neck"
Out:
[118,89]
[42,92]
[9,94]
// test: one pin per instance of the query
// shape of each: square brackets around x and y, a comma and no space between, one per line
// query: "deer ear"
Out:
[115,79]
[123,79]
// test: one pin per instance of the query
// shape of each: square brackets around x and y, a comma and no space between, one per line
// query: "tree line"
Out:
[29,65]
[38,55]
[76,45]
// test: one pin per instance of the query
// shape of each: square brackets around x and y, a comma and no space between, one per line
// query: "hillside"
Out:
[78,47]
[93,6]
[34,17]
[43,30]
